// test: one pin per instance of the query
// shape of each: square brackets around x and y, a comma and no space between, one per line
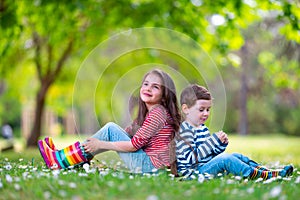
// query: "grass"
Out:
[23,176]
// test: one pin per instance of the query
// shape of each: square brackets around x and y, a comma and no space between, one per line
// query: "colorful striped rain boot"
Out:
[287,171]
[62,159]
[267,174]
[50,143]
[262,168]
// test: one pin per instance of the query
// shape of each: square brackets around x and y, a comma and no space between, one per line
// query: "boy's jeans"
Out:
[138,161]
[236,164]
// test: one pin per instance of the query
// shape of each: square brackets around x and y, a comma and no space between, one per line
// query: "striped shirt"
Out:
[154,136]
[196,146]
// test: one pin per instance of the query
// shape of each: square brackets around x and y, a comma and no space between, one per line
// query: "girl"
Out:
[152,132]
[198,152]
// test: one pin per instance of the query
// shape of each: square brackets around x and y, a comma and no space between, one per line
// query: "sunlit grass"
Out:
[266,149]
[23,175]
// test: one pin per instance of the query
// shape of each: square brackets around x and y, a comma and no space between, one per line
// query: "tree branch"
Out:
[50,57]
[37,59]
[61,61]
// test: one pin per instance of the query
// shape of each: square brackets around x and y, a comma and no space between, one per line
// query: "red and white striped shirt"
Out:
[154,136]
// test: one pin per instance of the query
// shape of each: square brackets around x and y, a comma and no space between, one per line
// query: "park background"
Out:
[254,45]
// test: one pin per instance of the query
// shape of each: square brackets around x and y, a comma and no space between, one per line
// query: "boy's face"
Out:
[198,113]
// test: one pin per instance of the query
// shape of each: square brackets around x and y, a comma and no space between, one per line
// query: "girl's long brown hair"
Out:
[169,101]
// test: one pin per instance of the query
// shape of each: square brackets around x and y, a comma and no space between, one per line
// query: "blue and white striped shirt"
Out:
[196,144]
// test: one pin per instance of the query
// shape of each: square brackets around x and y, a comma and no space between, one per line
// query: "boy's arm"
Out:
[219,146]
[208,147]
[187,150]
[212,144]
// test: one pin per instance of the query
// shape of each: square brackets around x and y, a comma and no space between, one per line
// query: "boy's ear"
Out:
[185,108]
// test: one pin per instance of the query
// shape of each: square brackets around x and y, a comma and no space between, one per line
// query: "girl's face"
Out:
[198,113]
[151,91]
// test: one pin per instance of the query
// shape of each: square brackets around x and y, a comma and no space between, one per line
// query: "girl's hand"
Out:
[222,136]
[91,145]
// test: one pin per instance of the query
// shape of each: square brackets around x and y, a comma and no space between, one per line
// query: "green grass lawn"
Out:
[23,175]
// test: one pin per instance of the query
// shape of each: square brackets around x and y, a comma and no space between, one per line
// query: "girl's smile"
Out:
[151,90]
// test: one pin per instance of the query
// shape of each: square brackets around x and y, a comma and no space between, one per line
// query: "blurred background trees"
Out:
[255,44]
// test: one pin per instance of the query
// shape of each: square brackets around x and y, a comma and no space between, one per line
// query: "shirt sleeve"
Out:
[219,147]
[153,123]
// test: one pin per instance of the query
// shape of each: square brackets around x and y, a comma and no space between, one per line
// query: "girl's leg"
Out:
[111,132]
[226,163]
[137,161]
[75,154]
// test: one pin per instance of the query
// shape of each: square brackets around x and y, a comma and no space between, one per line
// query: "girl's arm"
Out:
[95,145]
[153,123]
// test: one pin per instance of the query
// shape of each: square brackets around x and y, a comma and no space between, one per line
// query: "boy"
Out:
[199,152]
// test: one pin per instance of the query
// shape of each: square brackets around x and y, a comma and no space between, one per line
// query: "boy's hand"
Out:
[222,136]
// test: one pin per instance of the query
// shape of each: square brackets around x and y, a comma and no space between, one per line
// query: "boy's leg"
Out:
[250,162]
[231,164]
[226,163]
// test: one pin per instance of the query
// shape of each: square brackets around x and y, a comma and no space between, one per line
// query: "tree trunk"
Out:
[2,87]
[39,110]
[243,122]
[46,80]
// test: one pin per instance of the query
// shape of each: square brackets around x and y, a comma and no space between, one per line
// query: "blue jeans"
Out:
[138,161]
[236,164]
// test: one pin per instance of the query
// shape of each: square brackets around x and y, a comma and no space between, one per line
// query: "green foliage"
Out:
[10,29]
[286,124]
[291,29]
[17,87]
[283,73]
[220,26]
[261,115]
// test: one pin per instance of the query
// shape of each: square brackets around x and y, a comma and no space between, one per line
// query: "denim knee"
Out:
[225,156]
[104,133]
[238,155]
[109,125]
[228,158]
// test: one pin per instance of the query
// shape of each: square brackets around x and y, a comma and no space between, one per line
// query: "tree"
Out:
[267,66]
[55,31]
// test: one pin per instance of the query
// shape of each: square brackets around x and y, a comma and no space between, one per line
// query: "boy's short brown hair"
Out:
[192,93]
